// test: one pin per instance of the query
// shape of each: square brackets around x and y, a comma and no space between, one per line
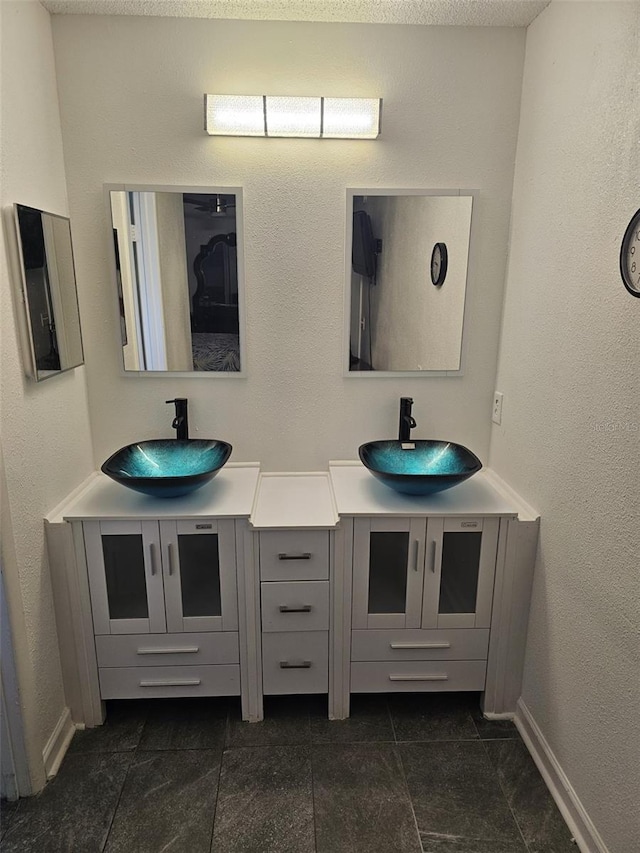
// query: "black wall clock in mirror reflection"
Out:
[439,260]
[630,256]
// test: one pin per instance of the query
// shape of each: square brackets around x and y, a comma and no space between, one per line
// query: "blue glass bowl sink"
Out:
[165,467]
[425,467]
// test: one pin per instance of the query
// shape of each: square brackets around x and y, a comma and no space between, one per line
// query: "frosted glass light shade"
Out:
[234,115]
[268,115]
[351,118]
[293,116]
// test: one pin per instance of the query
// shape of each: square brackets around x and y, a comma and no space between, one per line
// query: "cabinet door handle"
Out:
[416,548]
[168,682]
[442,677]
[302,608]
[152,557]
[305,556]
[171,557]
[433,555]
[420,645]
[304,664]
[186,650]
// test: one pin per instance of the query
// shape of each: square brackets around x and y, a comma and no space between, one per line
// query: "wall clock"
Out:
[629,256]
[439,264]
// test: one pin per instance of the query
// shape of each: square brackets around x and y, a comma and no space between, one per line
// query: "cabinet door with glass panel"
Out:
[459,572]
[149,577]
[198,559]
[423,573]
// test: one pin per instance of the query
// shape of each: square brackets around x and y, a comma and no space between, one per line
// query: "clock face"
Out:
[630,256]
[438,264]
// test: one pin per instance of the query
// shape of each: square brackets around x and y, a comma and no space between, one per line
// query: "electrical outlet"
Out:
[496,415]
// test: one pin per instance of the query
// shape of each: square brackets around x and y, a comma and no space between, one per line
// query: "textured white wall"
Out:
[131,92]
[417,326]
[45,442]
[570,435]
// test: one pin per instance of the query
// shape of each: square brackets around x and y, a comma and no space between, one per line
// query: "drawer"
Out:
[295,662]
[417,676]
[161,682]
[295,606]
[167,649]
[452,644]
[290,555]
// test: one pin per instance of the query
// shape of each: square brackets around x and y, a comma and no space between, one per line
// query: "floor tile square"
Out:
[186,724]
[361,800]
[538,817]
[455,791]
[7,812]
[120,732]
[369,720]
[432,716]
[440,844]
[167,803]
[286,722]
[74,811]
[265,801]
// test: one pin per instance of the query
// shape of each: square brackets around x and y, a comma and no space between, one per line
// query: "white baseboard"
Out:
[582,828]
[492,715]
[58,743]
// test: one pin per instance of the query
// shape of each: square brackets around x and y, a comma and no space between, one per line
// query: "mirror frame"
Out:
[30,361]
[179,188]
[399,191]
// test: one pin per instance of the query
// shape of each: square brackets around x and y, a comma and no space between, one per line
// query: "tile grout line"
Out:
[222,751]
[504,794]
[313,792]
[404,775]
[133,752]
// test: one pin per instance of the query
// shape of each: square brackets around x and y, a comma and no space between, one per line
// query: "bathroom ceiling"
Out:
[473,13]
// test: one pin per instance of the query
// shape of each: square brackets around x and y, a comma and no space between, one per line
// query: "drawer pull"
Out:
[442,677]
[168,682]
[305,664]
[185,650]
[434,546]
[420,645]
[171,557]
[305,556]
[302,608]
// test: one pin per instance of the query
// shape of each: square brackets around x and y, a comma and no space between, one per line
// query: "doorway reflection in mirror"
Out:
[178,275]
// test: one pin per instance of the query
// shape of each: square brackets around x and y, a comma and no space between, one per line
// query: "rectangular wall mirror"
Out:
[406,280]
[49,289]
[178,262]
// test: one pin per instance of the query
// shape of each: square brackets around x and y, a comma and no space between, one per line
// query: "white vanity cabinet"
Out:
[431,592]
[295,612]
[174,580]
[422,598]
[294,517]
[152,593]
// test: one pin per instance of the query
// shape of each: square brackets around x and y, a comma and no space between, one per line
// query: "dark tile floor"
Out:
[405,774]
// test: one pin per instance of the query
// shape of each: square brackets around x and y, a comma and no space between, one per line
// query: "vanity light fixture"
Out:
[314,118]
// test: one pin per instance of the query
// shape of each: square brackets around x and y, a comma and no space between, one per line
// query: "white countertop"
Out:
[229,495]
[358,493]
[294,500]
[291,500]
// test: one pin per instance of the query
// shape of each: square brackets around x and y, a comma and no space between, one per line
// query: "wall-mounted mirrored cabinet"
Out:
[178,265]
[49,291]
[406,280]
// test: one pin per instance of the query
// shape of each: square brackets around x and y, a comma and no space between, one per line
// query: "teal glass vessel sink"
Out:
[420,467]
[165,467]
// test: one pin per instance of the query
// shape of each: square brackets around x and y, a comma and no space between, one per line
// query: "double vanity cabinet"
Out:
[266,584]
